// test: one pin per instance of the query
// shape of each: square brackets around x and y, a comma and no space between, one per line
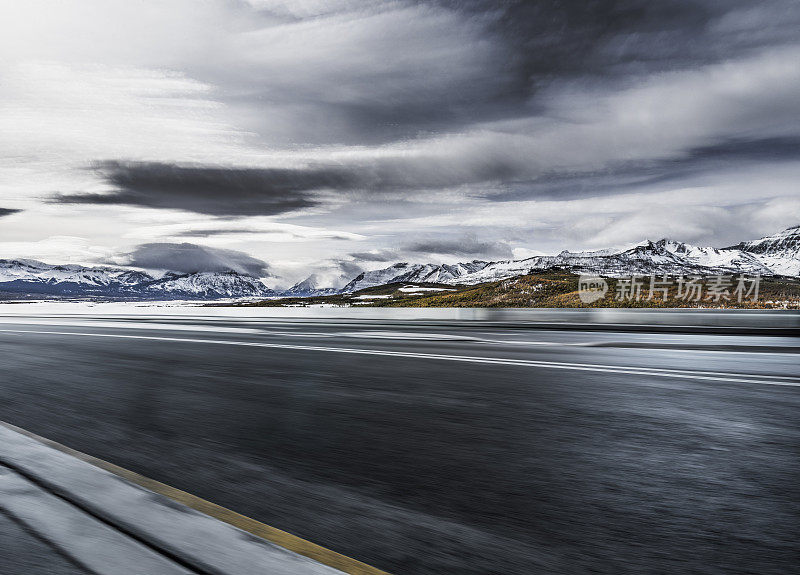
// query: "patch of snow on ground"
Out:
[416,289]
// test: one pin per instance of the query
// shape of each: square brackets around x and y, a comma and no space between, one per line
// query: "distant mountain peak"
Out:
[308,287]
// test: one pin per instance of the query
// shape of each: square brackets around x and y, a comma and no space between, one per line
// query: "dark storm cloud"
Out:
[212,233]
[490,59]
[747,149]
[553,38]
[190,258]
[548,39]
[236,192]
[8,211]
[210,190]
[251,191]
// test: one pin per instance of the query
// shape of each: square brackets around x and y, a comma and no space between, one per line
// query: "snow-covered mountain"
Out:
[34,277]
[778,254]
[414,273]
[206,285]
[37,272]
[308,287]
[661,257]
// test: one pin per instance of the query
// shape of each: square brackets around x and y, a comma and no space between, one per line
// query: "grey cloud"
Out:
[209,189]
[8,211]
[190,258]
[521,174]
[561,114]
[211,233]
[208,233]
[464,247]
[232,191]
[371,72]
[622,177]
[466,62]
[749,149]
[376,256]
[349,268]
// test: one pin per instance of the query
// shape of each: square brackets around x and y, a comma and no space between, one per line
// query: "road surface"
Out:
[463,448]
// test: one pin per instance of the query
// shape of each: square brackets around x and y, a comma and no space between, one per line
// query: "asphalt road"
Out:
[24,552]
[442,449]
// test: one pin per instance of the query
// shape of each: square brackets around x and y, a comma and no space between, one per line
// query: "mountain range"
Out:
[32,277]
[775,255]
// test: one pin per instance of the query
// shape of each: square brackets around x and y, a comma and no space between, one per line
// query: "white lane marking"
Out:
[404,335]
[133,325]
[657,372]
[471,339]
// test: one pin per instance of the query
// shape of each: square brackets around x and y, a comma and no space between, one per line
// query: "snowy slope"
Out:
[780,252]
[382,276]
[414,273]
[783,244]
[208,285]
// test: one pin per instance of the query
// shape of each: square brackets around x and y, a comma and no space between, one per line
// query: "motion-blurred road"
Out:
[441,448]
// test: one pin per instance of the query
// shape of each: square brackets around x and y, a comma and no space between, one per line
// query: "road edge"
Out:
[274,535]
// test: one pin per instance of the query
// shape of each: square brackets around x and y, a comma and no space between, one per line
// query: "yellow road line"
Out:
[272,534]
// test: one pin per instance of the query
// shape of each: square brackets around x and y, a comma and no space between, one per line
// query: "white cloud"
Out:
[56,249]
[222,231]
[74,114]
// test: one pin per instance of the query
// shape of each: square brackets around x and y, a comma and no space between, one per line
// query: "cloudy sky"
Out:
[281,137]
